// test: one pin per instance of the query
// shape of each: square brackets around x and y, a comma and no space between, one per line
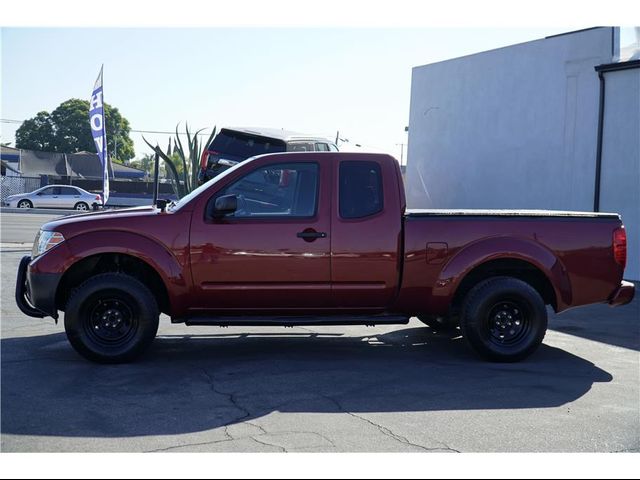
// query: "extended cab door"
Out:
[273,253]
[366,231]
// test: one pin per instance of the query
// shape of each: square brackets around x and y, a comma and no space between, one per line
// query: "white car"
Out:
[55,196]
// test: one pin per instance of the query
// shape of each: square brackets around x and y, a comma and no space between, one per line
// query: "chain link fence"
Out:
[10,185]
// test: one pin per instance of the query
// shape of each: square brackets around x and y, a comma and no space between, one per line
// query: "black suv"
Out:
[234,145]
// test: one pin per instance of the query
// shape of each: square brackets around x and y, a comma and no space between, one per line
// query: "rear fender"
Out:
[478,253]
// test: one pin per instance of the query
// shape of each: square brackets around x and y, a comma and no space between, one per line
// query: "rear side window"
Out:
[300,147]
[360,189]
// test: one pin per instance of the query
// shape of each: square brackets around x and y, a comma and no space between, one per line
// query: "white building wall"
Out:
[620,180]
[515,128]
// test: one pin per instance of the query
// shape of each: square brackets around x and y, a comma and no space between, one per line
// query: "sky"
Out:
[312,80]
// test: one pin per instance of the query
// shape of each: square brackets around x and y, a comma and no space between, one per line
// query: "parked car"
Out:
[234,145]
[318,239]
[55,196]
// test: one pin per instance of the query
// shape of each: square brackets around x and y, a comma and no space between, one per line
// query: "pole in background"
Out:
[156,179]
[401,151]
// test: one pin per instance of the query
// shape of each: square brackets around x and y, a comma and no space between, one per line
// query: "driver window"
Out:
[289,190]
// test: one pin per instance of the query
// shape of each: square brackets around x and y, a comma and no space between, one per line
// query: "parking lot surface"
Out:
[324,389]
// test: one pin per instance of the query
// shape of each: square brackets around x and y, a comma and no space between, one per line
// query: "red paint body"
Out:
[394,261]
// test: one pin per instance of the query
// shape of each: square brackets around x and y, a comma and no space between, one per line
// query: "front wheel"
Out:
[504,319]
[25,204]
[111,318]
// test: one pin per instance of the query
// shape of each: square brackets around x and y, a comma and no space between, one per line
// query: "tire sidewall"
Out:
[139,299]
[475,322]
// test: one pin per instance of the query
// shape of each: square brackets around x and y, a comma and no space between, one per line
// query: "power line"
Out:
[162,132]
[8,120]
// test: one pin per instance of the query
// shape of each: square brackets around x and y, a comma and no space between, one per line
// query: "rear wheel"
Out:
[25,204]
[111,318]
[504,319]
[81,207]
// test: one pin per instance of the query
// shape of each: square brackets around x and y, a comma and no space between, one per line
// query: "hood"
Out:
[104,219]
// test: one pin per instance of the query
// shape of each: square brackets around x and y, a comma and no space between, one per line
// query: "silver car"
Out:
[55,196]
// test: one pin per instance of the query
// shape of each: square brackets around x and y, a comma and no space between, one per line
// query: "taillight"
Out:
[620,246]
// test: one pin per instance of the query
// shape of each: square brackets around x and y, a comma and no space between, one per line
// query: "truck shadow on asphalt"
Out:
[194,383]
[601,323]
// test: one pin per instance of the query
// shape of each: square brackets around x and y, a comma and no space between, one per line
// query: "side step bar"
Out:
[292,321]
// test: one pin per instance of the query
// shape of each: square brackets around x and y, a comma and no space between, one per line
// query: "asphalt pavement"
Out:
[324,389]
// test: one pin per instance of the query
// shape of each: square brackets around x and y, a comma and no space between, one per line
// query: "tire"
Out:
[504,319]
[111,318]
[439,323]
[25,204]
[81,207]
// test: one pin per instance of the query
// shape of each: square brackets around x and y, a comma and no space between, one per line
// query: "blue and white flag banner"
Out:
[98,130]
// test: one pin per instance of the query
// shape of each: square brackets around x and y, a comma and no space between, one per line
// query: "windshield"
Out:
[245,145]
[205,186]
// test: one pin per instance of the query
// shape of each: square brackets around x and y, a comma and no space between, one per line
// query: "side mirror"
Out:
[162,204]
[223,206]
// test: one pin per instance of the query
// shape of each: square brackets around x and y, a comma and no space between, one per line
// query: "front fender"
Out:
[478,253]
[173,274]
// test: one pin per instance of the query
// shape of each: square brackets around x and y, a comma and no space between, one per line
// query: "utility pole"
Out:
[401,151]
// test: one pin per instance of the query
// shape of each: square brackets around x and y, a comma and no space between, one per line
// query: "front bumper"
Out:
[35,293]
[623,294]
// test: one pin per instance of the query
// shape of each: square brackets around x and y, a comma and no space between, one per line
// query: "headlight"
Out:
[44,241]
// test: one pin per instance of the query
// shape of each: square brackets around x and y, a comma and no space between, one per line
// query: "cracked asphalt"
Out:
[326,389]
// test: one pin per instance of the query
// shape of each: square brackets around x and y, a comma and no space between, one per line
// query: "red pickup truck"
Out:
[318,239]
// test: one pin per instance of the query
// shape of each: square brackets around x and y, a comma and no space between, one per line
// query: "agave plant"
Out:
[181,189]
[189,157]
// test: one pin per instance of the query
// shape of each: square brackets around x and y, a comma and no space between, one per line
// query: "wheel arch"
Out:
[505,256]
[99,252]
[507,267]
[112,262]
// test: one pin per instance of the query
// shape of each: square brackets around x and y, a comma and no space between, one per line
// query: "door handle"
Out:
[311,235]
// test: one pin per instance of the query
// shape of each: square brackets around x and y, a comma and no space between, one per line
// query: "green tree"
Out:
[37,133]
[67,130]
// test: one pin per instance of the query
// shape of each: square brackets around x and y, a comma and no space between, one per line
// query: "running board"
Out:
[292,321]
